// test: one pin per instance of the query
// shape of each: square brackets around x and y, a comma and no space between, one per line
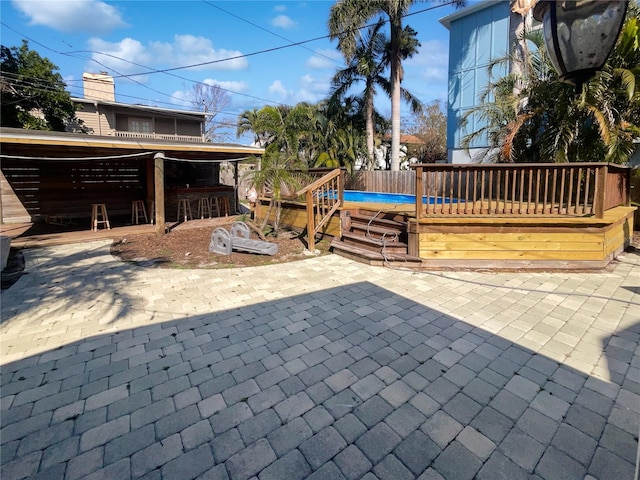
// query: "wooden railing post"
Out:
[311,229]
[601,189]
[419,172]
[329,194]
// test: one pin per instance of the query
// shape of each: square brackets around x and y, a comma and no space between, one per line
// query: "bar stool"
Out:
[214,207]
[184,207]
[99,216]
[223,205]
[137,211]
[204,207]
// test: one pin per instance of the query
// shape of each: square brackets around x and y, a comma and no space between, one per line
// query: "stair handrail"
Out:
[323,198]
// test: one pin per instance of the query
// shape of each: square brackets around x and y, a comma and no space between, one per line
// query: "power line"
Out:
[273,49]
[37,84]
[172,69]
[129,76]
[267,30]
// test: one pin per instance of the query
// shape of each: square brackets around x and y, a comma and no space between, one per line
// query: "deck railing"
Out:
[323,197]
[575,189]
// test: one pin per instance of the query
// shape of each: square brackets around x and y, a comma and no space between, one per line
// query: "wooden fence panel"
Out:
[69,188]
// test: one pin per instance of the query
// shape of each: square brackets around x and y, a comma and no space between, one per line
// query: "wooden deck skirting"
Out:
[498,241]
[517,242]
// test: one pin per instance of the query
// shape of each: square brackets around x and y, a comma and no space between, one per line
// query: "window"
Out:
[140,125]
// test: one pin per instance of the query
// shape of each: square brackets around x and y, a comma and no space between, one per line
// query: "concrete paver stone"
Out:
[319,369]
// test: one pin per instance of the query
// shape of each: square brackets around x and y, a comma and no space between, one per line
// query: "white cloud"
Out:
[74,16]
[194,50]
[186,50]
[234,86]
[280,8]
[325,58]
[183,98]
[434,74]
[277,88]
[431,62]
[316,86]
[119,57]
[282,21]
[310,89]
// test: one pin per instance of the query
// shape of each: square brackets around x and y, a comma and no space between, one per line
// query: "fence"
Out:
[383,181]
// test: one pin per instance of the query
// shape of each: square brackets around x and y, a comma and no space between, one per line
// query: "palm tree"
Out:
[370,60]
[346,18]
[277,175]
[345,147]
[280,131]
[530,116]
[366,65]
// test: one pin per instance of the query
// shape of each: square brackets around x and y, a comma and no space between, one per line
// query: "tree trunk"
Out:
[370,132]
[266,217]
[276,221]
[396,30]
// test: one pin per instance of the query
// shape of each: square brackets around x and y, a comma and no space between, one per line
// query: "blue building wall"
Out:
[475,40]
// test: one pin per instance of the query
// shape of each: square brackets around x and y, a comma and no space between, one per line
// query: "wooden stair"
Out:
[375,238]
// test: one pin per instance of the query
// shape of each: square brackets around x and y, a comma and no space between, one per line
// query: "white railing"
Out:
[160,136]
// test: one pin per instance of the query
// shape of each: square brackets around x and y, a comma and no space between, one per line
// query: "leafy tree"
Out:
[33,94]
[430,126]
[212,100]
[347,17]
[339,138]
[530,116]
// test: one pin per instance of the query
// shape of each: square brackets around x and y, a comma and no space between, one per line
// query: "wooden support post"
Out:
[159,192]
[236,204]
[601,188]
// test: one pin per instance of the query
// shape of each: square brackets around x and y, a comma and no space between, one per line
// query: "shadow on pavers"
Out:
[355,378]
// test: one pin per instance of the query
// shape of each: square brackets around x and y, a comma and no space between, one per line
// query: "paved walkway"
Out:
[322,369]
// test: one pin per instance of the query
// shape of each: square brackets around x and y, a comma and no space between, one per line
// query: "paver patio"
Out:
[321,369]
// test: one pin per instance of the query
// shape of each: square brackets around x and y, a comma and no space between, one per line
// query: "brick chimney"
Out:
[99,86]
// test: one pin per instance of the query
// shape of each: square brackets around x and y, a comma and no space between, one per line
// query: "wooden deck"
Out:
[499,241]
[28,235]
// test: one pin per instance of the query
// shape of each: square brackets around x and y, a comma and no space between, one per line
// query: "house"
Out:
[100,114]
[124,153]
[478,34]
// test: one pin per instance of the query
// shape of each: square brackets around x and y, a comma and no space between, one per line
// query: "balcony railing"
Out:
[161,136]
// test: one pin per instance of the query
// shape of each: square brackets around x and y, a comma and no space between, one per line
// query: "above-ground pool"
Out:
[377,197]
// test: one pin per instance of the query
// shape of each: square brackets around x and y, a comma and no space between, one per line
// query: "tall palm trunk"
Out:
[369,121]
[396,77]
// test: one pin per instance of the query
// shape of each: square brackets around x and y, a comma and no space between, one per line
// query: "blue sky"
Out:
[138,37]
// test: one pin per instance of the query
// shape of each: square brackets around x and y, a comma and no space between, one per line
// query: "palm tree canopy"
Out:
[530,116]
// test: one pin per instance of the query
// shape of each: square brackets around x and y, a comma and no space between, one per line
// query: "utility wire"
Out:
[108,157]
[172,69]
[268,31]
[73,54]
[273,49]
[46,87]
